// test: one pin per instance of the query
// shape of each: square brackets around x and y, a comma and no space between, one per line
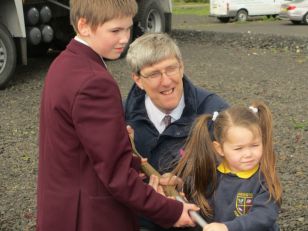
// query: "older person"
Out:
[163,103]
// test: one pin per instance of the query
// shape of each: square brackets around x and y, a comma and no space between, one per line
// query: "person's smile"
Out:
[167,92]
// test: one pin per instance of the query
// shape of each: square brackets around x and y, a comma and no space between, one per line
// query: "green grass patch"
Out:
[200,9]
[270,18]
[300,125]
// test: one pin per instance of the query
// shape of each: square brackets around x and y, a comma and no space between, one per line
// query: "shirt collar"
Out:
[223,168]
[81,40]
[87,44]
[176,113]
[156,116]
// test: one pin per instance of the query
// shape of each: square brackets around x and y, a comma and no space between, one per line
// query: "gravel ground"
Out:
[237,70]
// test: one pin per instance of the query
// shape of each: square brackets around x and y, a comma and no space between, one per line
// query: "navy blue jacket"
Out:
[162,150]
[246,205]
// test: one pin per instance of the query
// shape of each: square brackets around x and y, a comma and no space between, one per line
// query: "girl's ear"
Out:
[218,148]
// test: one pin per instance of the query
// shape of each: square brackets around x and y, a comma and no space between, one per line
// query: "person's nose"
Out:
[248,153]
[165,80]
[125,36]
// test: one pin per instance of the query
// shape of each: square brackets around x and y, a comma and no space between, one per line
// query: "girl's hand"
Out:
[215,227]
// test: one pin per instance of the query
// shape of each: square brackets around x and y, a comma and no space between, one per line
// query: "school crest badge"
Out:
[243,203]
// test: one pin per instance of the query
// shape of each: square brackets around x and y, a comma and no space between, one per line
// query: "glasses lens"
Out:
[172,70]
[154,75]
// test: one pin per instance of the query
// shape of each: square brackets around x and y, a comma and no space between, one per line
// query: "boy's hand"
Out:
[154,182]
[185,220]
[141,174]
[215,227]
[171,180]
[130,132]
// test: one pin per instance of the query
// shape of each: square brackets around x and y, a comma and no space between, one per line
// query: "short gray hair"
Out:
[150,49]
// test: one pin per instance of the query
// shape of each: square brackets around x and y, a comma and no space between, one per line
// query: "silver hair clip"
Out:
[253,109]
[215,114]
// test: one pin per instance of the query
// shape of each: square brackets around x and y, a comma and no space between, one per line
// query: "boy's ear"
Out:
[83,27]
[137,80]
[218,148]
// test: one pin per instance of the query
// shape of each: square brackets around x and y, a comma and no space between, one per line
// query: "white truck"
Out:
[31,27]
[240,10]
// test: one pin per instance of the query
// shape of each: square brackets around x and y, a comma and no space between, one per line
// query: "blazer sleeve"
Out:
[99,122]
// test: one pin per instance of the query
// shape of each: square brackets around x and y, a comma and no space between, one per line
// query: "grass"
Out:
[270,19]
[201,9]
[300,125]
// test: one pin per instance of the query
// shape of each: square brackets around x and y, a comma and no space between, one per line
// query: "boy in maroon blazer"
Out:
[88,179]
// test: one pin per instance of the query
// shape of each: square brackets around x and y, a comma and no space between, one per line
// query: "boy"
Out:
[87,176]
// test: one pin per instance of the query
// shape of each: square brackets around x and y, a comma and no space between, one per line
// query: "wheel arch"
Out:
[238,14]
[244,9]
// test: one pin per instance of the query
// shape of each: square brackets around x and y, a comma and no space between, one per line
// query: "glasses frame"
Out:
[165,72]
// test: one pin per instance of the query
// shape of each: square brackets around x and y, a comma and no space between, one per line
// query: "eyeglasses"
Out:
[170,71]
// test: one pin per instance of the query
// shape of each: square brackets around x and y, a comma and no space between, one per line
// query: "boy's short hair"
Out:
[97,12]
[150,49]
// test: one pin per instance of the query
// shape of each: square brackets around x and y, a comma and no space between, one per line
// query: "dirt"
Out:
[237,71]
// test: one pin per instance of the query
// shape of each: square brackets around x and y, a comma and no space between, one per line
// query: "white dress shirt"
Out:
[87,44]
[156,116]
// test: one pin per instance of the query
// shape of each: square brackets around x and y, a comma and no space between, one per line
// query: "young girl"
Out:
[244,192]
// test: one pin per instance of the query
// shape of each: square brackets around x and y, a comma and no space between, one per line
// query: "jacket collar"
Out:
[223,168]
[83,50]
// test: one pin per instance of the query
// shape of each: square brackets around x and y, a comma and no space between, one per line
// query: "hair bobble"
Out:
[253,109]
[215,114]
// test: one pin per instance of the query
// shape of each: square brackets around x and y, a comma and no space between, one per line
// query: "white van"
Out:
[225,10]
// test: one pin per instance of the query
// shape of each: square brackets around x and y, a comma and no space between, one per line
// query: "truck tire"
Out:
[242,16]
[7,56]
[150,16]
[305,19]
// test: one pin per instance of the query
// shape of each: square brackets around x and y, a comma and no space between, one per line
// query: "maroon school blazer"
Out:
[87,177]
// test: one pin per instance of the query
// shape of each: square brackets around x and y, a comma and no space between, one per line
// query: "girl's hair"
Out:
[97,12]
[197,167]
[198,161]
[258,122]
[150,49]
